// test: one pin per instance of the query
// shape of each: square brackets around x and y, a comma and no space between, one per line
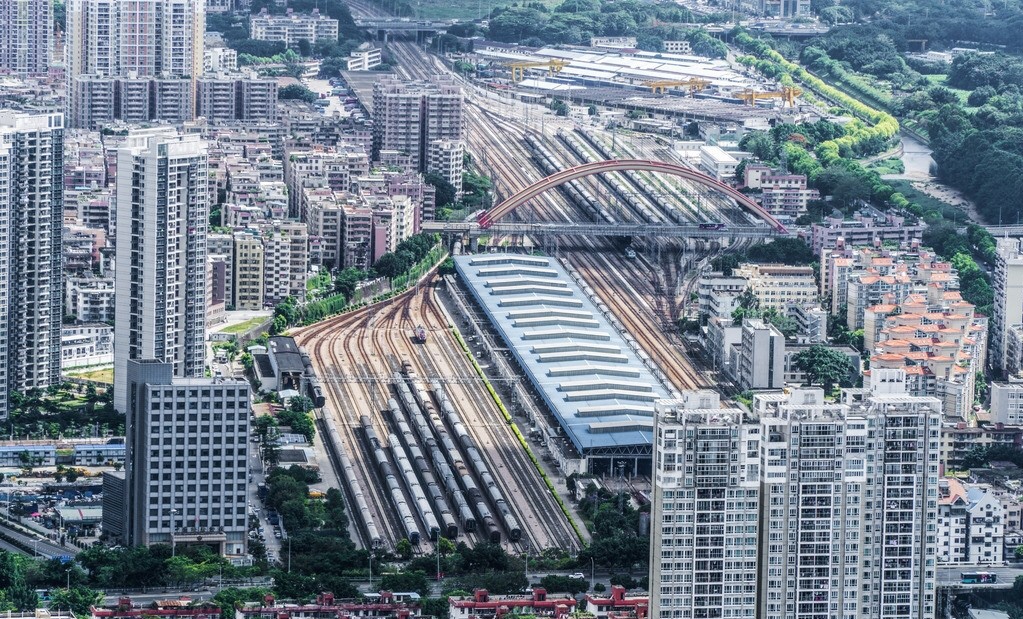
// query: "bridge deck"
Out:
[569,229]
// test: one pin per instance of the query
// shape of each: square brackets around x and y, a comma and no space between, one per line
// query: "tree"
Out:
[229,599]
[78,600]
[445,190]
[22,597]
[404,549]
[296,91]
[406,581]
[824,366]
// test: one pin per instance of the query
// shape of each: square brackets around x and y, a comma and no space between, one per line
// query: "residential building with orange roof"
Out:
[940,346]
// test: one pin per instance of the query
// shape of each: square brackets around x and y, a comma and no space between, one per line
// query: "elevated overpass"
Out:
[382,26]
[536,230]
[997,231]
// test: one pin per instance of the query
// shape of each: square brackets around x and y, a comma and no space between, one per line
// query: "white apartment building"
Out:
[124,45]
[366,57]
[219,60]
[678,47]
[798,509]
[163,200]
[86,344]
[761,363]
[778,286]
[31,257]
[90,299]
[293,27]
[1007,402]
[971,524]
[716,162]
[247,286]
[187,459]
[718,294]
[1007,284]
[224,98]
[446,157]
[26,38]
[285,261]
[705,510]
[780,8]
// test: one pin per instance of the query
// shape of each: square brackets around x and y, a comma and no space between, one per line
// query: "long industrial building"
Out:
[596,386]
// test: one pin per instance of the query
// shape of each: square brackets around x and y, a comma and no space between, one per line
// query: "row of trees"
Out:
[576,21]
[406,255]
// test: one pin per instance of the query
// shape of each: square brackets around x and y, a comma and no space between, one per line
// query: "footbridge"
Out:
[487,221]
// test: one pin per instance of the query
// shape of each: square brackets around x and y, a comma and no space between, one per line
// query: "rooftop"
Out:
[595,384]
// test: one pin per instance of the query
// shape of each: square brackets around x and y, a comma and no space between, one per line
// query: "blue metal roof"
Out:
[595,384]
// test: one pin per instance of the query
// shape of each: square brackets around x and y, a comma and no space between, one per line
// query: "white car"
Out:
[578,575]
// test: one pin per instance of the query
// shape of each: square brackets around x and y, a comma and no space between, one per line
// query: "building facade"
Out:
[186,460]
[794,509]
[408,116]
[31,253]
[293,27]
[154,46]
[26,40]
[162,217]
[1007,284]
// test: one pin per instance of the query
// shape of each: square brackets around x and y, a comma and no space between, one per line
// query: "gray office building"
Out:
[187,459]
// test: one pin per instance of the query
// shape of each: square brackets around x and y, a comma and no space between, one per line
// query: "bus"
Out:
[978,578]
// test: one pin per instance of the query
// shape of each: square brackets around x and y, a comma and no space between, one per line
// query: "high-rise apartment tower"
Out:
[31,226]
[162,216]
[797,509]
[26,37]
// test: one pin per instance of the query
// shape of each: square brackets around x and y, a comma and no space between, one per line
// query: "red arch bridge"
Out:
[487,222]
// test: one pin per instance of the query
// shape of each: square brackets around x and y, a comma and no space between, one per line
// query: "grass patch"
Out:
[104,375]
[888,166]
[244,327]
[929,203]
[941,80]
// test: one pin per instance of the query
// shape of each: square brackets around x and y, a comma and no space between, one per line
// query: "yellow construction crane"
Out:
[659,87]
[787,94]
[518,69]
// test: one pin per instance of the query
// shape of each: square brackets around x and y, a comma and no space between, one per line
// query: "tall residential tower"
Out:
[26,37]
[31,226]
[162,216]
[133,61]
[797,509]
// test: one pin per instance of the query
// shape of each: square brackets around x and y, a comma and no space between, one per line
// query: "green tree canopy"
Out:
[823,366]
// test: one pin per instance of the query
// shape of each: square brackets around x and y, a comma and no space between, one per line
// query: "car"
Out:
[578,575]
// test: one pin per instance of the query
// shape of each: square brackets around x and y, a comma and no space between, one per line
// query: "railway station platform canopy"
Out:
[594,383]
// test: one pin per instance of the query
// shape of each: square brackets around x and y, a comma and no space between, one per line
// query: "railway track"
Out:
[373,343]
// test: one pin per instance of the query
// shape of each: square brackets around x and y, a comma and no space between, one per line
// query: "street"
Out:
[948,576]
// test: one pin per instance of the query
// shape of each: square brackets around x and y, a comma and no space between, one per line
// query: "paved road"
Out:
[44,547]
[952,575]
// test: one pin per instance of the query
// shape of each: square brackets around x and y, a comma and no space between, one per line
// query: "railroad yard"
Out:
[416,435]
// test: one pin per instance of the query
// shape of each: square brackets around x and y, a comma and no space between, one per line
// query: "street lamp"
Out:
[591,573]
[68,579]
[174,530]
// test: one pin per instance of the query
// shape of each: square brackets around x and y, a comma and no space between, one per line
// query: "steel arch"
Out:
[621,165]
